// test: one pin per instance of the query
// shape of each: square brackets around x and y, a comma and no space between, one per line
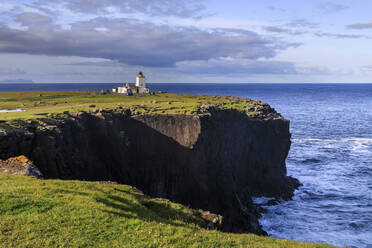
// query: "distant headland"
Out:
[16,81]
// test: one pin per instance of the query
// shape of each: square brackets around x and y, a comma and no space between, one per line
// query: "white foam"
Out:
[359,145]
[368,140]
[307,139]
[362,145]
[11,111]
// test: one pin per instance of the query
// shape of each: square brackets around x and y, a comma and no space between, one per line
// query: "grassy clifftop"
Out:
[56,213]
[44,105]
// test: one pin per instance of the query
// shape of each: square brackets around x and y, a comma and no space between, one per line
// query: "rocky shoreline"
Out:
[215,160]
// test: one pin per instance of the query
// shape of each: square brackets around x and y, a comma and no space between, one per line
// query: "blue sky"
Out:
[82,41]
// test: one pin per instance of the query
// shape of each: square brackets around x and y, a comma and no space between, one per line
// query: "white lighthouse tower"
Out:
[141,83]
[141,80]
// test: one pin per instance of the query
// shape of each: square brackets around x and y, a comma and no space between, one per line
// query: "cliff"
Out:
[214,160]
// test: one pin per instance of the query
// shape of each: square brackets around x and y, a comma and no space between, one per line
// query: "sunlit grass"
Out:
[46,104]
[56,213]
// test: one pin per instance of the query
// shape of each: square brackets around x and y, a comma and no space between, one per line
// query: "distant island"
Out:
[16,81]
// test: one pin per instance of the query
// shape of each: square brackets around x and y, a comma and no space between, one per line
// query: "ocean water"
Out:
[331,154]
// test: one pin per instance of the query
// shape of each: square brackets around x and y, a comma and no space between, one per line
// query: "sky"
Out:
[186,41]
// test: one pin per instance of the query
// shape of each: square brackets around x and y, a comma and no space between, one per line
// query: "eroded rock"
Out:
[19,165]
[213,221]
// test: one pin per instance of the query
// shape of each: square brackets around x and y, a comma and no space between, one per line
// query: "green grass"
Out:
[56,213]
[38,105]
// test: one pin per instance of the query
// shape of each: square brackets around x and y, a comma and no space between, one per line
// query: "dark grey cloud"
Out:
[133,42]
[330,7]
[341,36]
[179,8]
[360,26]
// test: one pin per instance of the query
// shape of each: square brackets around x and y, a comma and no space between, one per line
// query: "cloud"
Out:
[360,26]
[219,67]
[276,29]
[329,7]
[302,23]
[67,32]
[273,8]
[133,42]
[295,31]
[11,71]
[282,30]
[341,36]
[215,67]
[30,19]
[367,67]
[312,70]
[236,67]
[178,8]
[97,64]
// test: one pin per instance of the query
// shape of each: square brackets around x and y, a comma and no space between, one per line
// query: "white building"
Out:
[139,88]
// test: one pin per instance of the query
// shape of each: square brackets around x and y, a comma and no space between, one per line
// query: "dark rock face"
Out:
[216,161]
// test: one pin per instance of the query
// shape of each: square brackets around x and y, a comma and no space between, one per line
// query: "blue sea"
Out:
[331,154]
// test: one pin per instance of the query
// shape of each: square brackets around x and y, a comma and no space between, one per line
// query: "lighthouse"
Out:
[139,88]
[141,83]
[141,80]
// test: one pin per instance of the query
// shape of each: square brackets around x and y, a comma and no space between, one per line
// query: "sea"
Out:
[331,155]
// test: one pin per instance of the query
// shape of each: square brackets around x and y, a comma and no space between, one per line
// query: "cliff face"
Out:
[215,161]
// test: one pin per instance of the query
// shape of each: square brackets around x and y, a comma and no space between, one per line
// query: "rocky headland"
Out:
[214,159]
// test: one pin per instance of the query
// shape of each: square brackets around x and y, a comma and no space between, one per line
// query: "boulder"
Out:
[19,165]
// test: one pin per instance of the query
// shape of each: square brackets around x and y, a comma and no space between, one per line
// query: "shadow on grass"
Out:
[66,191]
[17,206]
[149,210]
